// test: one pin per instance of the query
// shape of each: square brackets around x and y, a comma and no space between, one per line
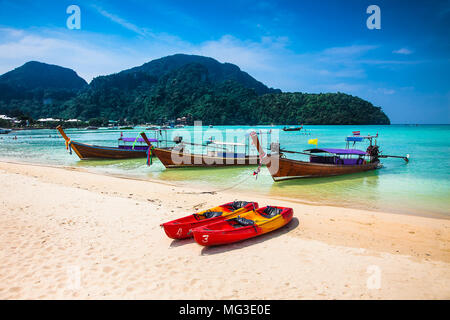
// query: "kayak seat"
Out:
[237,205]
[207,215]
[212,214]
[241,222]
[270,212]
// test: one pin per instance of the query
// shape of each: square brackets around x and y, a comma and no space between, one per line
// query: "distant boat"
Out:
[5,131]
[126,128]
[87,151]
[292,128]
[179,126]
[152,128]
[91,128]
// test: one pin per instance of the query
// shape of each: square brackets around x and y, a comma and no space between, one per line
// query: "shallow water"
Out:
[420,187]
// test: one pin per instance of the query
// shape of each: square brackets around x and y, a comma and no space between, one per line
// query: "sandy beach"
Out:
[66,233]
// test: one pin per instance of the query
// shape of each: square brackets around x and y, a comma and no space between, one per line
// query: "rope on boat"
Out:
[135,140]
[69,145]
[255,173]
[227,188]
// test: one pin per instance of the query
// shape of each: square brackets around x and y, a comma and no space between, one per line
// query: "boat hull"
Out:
[174,159]
[220,233]
[86,151]
[295,169]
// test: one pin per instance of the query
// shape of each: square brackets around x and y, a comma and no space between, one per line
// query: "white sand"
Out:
[59,223]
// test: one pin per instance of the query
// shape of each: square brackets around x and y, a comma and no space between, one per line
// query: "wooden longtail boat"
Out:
[88,151]
[292,128]
[335,162]
[247,225]
[175,157]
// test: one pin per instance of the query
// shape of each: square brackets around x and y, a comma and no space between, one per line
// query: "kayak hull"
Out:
[182,228]
[222,232]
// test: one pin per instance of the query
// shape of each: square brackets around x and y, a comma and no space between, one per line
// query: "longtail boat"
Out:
[323,162]
[4,131]
[122,151]
[217,154]
[293,128]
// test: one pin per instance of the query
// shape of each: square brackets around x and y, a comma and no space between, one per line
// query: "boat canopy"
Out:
[138,140]
[337,151]
[356,139]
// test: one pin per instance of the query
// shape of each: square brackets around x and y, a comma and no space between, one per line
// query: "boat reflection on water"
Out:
[216,176]
[357,190]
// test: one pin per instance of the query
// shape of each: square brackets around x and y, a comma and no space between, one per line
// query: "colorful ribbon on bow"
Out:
[149,155]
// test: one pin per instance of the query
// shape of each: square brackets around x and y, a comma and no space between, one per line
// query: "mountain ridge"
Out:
[35,75]
[218,72]
[198,87]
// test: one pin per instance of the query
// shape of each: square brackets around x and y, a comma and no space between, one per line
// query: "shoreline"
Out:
[214,189]
[56,220]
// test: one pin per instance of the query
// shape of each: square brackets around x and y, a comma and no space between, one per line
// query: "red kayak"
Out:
[181,228]
[247,225]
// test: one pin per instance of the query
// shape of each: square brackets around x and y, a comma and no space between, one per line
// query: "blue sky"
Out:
[306,46]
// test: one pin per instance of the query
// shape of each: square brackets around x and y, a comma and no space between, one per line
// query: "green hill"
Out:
[37,75]
[200,88]
[36,87]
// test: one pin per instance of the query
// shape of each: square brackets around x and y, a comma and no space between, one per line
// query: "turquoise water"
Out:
[420,187]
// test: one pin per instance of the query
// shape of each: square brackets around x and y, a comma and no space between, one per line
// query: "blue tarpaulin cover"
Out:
[358,139]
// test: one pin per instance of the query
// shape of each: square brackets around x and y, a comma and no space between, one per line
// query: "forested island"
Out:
[195,87]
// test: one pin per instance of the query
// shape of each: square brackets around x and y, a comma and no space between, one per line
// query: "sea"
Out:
[419,187]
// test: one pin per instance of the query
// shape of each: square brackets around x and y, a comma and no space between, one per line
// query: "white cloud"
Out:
[89,54]
[404,51]
[383,91]
[352,50]
[268,60]
[116,19]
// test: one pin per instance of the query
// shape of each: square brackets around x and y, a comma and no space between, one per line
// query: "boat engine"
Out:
[374,152]
[275,147]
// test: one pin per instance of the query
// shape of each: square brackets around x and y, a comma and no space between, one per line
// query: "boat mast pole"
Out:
[288,151]
[63,134]
[144,136]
